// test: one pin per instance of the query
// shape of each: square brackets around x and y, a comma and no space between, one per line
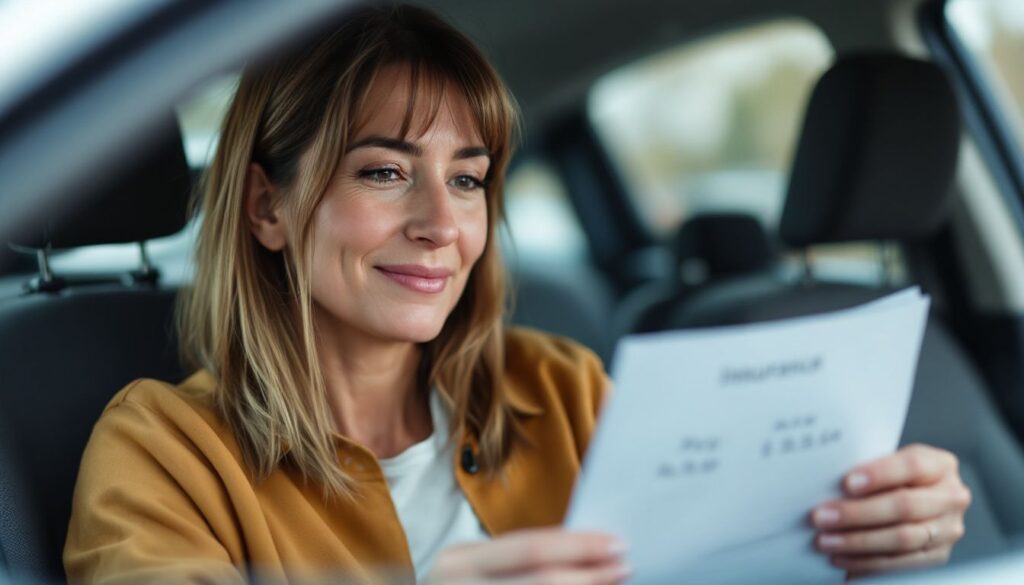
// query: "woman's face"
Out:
[404,218]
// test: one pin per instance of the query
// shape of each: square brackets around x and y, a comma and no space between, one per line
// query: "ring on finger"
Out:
[933,535]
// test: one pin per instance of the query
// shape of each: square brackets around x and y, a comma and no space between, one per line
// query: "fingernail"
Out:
[856,482]
[617,548]
[826,516]
[831,541]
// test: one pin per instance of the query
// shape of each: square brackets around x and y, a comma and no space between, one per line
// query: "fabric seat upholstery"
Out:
[708,249]
[574,302]
[875,162]
[64,354]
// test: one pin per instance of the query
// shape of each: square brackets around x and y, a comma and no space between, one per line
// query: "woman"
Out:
[359,405]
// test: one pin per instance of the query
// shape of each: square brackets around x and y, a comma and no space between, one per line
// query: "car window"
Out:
[542,226]
[993,32]
[200,115]
[712,125]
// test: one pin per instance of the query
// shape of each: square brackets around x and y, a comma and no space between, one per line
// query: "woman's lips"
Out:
[417,278]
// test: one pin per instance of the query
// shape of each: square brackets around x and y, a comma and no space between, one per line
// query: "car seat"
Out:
[875,162]
[571,301]
[708,248]
[67,344]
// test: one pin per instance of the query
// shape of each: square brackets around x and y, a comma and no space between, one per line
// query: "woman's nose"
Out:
[432,219]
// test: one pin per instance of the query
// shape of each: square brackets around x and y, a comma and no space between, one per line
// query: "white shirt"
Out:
[431,506]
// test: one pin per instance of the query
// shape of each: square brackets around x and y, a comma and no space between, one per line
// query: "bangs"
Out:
[432,86]
[424,84]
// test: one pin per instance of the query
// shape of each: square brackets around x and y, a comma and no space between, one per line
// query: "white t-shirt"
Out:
[431,506]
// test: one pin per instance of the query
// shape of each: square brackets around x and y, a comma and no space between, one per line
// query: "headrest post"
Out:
[890,263]
[807,274]
[147,273]
[145,268]
[45,281]
[43,259]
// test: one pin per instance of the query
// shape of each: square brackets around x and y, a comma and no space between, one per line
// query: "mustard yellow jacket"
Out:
[162,494]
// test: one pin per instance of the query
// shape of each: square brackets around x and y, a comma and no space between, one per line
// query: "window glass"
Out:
[542,226]
[200,116]
[993,32]
[712,126]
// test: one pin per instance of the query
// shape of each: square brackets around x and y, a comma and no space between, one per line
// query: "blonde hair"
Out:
[248,317]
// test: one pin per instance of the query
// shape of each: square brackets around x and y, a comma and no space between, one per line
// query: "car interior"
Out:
[879,151]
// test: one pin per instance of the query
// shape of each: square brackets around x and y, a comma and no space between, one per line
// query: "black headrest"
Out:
[727,243]
[139,197]
[877,153]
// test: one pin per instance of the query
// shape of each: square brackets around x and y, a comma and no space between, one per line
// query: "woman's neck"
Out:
[373,391]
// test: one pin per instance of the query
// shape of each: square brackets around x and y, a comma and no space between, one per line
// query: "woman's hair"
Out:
[248,318]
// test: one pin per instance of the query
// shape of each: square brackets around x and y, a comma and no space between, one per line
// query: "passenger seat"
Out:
[875,162]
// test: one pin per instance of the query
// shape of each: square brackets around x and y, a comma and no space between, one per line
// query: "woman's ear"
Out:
[262,212]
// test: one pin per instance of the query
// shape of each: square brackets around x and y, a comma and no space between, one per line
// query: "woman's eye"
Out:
[467,183]
[382,176]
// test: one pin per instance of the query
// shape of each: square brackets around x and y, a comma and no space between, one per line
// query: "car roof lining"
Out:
[553,74]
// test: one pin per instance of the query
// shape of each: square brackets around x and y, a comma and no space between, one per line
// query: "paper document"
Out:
[716,443]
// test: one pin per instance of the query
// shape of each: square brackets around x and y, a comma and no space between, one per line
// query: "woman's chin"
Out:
[416,330]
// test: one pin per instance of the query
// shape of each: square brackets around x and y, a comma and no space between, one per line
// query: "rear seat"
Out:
[708,249]
[572,301]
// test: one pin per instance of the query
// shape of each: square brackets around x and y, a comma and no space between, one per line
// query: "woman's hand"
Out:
[902,511]
[538,556]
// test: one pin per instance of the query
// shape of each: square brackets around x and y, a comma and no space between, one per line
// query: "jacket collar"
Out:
[522,401]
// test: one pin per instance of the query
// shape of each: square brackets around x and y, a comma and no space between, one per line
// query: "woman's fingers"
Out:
[902,511]
[893,507]
[529,551]
[899,539]
[609,574]
[912,465]
[864,565]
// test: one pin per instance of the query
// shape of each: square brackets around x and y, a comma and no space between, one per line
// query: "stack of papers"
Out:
[717,443]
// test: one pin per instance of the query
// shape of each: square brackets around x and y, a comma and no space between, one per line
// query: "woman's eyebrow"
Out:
[471,152]
[389,143]
[407,147]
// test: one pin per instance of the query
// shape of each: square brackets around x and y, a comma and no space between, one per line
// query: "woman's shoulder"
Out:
[152,488]
[544,370]
[161,411]
[193,396]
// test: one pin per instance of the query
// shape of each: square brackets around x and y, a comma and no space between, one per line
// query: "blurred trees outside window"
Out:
[993,32]
[712,125]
